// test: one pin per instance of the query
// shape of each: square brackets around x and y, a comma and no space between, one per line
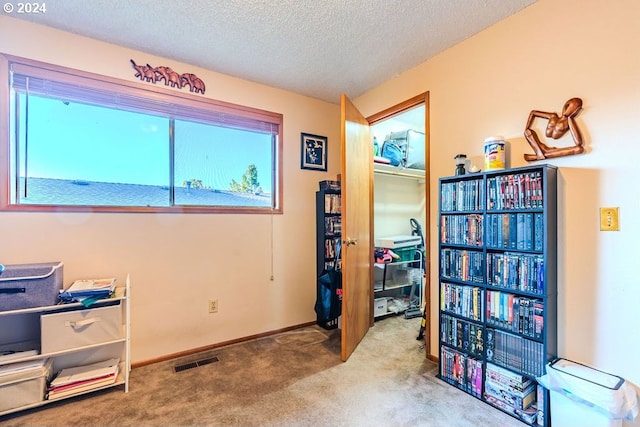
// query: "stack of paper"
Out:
[17,350]
[88,288]
[78,379]
[6,356]
[13,368]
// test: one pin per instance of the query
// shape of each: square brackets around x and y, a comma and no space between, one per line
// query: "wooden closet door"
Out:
[357,198]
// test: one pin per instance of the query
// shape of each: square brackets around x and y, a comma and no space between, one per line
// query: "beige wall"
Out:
[177,262]
[484,86]
[395,201]
[537,59]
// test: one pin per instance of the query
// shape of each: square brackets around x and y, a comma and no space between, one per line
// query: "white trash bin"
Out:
[582,396]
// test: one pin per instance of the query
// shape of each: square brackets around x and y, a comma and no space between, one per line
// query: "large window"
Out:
[79,141]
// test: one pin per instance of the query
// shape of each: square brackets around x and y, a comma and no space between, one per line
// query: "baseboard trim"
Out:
[217,345]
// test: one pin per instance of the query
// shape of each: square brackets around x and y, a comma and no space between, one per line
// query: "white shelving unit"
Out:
[401,279]
[23,327]
[396,201]
[382,169]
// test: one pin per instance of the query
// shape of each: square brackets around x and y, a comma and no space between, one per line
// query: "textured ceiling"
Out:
[318,48]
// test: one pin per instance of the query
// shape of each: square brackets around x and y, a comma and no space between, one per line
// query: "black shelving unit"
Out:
[498,286]
[328,233]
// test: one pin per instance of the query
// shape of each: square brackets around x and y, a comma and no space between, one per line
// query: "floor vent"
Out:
[195,364]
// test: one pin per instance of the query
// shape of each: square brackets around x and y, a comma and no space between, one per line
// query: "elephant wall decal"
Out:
[150,74]
[144,72]
[195,83]
[171,78]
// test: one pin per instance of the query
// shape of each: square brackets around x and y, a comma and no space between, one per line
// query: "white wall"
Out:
[177,261]
[538,59]
[396,200]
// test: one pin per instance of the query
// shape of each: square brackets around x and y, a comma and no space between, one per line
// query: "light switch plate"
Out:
[609,219]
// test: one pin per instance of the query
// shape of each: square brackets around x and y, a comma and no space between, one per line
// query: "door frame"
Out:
[388,113]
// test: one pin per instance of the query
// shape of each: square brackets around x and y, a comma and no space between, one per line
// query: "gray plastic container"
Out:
[30,285]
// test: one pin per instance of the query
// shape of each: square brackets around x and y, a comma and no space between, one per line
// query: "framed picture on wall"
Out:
[313,152]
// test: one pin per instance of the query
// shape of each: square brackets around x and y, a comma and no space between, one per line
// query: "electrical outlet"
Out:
[213,305]
[609,219]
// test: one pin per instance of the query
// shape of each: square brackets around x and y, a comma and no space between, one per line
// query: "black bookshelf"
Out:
[328,233]
[498,286]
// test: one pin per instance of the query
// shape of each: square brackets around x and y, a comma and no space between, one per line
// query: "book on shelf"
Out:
[329,185]
[459,338]
[515,352]
[81,386]
[88,288]
[85,372]
[515,191]
[513,393]
[332,203]
[517,399]
[506,377]
[92,285]
[514,231]
[518,314]
[477,340]
[333,225]
[517,271]
[474,376]
[538,232]
[541,396]
[460,369]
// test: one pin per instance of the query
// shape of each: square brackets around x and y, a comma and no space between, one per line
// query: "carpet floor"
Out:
[294,378]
